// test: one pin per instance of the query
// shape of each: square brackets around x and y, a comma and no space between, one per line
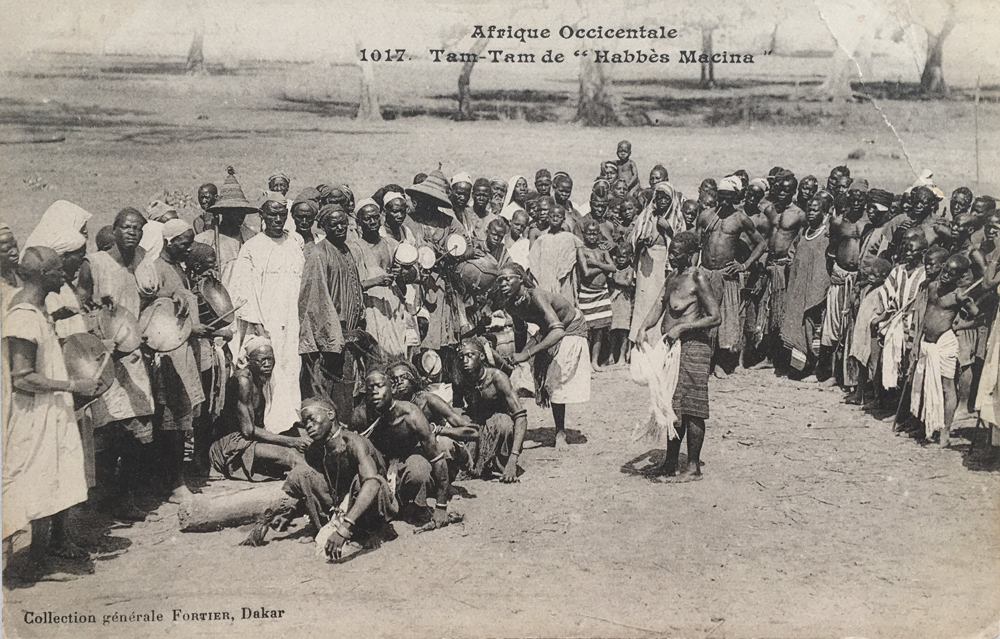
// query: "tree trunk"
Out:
[707,68]
[597,105]
[196,56]
[205,514]
[464,92]
[932,77]
[837,85]
[368,108]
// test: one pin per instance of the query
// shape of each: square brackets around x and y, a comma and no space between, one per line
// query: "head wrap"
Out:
[275,196]
[159,210]
[308,193]
[730,183]
[60,228]
[644,225]
[368,202]
[329,210]
[199,255]
[311,204]
[509,205]
[390,196]
[4,228]
[254,342]
[173,228]
[761,183]
[542,173]
[859,185]
[461,177]
[275,176]
[880,197]
[152,239]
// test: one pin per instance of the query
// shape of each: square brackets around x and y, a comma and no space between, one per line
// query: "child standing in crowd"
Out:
[626,167]
[622,287]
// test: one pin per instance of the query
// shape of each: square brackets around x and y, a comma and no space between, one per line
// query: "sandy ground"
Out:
[812,520]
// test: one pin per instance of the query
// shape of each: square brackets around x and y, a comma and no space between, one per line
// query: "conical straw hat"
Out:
[231,198]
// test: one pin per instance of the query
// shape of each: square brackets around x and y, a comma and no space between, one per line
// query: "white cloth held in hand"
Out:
[657,367]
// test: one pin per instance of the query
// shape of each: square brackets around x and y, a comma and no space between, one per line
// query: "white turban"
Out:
[173,228]
[158,210]
[461,177]
[60,228]
[731,183]
[365,202]
[390,196]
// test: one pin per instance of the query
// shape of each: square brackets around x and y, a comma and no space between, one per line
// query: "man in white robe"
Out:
[265,288]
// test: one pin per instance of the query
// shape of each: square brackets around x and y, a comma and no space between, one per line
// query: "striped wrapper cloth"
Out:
[596,305]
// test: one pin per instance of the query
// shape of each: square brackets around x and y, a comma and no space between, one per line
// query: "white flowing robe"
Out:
[267,276]
[43,462]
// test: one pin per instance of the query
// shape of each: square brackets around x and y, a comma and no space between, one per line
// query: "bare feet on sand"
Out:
[561,443]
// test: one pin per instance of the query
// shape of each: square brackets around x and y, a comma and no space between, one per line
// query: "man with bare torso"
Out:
[923,216]
[249,451]
[689,309]
[720,230]
[934,398]
[493,405]
[787,219]
[400,432]
[844,257]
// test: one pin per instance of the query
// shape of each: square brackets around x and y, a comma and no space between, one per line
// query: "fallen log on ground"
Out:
[208,513]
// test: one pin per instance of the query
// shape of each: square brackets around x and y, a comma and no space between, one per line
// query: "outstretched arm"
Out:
[520,417]
[244,395]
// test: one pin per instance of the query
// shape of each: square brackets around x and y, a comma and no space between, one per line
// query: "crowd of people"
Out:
[369,353]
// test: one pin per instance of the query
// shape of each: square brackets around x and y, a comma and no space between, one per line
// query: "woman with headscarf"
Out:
[63,228]
[649,238]
[517,191]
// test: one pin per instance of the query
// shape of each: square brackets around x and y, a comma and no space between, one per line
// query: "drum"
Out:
[456,245]
[426,257]
[217,301]
[88,358]
[406,254]
[162,328]
[120,326]
[478,274]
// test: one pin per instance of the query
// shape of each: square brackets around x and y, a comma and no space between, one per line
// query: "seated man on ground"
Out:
[493,405]
[249,451]
[450,427]
[342,485]
[400,432]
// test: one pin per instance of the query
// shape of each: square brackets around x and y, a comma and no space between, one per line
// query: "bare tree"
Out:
[465,111]
[597,105]
[196,56]
[368,107]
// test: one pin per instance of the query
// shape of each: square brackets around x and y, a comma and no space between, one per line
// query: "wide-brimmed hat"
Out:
[231,198]
[435,187]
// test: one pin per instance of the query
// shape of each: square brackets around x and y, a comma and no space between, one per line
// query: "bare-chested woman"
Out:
[689,310]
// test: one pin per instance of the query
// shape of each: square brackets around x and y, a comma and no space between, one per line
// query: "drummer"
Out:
[432,226]
[176,379]
[382,281]
[214,361]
